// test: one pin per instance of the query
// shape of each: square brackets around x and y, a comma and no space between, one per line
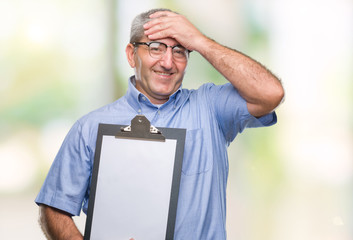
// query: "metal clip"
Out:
[141,128]
[126,129]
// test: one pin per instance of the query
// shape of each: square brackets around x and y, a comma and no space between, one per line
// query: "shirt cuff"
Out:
[268,119]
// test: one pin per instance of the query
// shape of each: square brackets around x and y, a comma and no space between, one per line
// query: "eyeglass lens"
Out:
[157,50]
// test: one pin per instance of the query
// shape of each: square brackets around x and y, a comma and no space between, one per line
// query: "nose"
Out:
[167,60]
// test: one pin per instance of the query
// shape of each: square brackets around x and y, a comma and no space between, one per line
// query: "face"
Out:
[156,78]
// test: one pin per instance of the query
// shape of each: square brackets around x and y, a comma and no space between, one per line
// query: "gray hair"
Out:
[137,31]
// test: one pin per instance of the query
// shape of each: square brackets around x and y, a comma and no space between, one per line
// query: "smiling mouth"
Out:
[163,73]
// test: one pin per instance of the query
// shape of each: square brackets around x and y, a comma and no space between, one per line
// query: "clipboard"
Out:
[135,182]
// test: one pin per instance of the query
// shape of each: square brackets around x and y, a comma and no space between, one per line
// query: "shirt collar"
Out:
[134,96]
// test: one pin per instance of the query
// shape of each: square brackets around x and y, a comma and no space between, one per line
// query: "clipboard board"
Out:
[135,182]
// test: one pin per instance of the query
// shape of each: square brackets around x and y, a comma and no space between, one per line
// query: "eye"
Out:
[179,51]
[157,47]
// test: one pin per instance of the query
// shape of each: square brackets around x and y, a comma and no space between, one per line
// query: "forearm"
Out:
[258,86]
[57,224]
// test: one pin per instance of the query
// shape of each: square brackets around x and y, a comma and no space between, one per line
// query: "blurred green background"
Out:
[62,59]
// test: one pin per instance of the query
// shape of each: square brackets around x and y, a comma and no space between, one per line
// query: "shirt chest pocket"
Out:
[196,160]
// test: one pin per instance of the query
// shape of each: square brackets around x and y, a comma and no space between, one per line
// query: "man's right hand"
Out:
[165,24]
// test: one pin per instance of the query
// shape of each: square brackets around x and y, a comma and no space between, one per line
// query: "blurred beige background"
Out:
[293,181]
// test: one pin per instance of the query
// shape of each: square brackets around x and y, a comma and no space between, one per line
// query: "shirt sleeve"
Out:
[68,178]
[232,112]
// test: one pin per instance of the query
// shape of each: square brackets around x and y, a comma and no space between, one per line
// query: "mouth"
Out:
[163,73]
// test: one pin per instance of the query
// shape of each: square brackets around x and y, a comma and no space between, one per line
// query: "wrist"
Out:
[204,45]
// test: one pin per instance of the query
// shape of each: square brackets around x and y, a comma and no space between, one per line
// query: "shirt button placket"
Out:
[157,116]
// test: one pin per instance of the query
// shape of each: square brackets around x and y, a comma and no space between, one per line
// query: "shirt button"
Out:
[139,110]
[143,98]
[159,112]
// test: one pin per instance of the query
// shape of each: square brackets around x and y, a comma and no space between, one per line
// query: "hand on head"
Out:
[165,24]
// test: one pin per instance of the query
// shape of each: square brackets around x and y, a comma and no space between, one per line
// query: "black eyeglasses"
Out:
[157,50]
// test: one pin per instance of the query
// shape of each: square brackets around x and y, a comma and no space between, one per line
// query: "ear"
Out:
[130,54]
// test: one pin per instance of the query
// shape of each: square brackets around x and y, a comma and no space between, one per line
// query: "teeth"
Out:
[163,73]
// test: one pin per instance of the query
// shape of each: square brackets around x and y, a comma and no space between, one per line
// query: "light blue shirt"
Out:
[213,116]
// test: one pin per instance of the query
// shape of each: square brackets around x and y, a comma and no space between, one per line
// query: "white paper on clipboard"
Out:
[134,182]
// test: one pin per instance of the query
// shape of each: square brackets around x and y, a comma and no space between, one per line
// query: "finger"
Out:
[157,35]
[156,21]
[154,26]
[161,17]
[161,14]
[160,25]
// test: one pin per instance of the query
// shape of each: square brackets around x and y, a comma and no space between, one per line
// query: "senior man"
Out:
[160,44]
